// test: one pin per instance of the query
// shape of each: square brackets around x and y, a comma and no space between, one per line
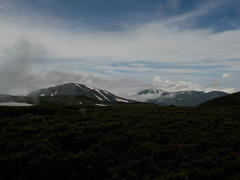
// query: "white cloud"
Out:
[173,86]
[149,96]
[226,75]
[158,41]
[227,90]
[154,41]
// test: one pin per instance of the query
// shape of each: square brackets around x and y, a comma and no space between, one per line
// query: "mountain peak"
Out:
[76,89]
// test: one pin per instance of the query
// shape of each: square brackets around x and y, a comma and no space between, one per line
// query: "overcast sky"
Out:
[122,46]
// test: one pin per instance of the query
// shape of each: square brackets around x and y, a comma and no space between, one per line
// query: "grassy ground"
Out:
[137,141]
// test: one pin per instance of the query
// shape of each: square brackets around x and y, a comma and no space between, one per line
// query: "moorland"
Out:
[120,141]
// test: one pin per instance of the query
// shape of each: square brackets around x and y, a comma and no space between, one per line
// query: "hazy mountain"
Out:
[74,89]
[228,100]
[10,98]
[181,98]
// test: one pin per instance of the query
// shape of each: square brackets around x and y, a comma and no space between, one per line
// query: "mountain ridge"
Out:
[75,93]
[76,89]
[228,100]
[179,98]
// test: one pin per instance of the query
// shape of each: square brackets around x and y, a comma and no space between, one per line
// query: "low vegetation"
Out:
[136,141]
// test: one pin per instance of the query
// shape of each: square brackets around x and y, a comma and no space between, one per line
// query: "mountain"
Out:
[74,89]
[228,100]
[74,93]
[180,98]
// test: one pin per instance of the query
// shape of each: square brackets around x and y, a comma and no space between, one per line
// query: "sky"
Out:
[123,46]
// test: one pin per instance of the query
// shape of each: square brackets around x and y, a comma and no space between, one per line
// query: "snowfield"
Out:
[15,104]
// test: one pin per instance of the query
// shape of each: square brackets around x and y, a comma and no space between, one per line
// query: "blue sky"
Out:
[123,45]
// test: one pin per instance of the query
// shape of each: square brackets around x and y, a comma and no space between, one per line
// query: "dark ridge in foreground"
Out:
[228,100]
[128,141]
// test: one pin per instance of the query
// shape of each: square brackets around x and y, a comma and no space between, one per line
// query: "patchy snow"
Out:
[55,93]
[78,86]
[15,104]
[90,87]
[52,94]
[43,94]
[80,103]
[102,94]
[98,97]
[121,100]
[101,105]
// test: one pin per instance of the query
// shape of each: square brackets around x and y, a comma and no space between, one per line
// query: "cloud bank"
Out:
[29,44]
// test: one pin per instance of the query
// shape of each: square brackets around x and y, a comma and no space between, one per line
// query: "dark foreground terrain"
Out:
[137,141]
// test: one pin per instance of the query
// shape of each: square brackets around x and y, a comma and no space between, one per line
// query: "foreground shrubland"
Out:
[120,142]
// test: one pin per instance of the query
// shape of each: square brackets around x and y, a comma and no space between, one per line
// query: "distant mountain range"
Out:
[74,93]
[181,98]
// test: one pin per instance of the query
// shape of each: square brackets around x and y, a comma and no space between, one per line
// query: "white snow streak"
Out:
[102,94]
[15,104]
[98,97]
[101,105]
[122,100]
[89,87]
[78,86]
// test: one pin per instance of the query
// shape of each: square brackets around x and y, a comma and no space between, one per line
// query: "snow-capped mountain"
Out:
[75,89]
[180,98]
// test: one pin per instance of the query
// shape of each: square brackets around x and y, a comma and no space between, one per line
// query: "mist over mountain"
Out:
[180,98]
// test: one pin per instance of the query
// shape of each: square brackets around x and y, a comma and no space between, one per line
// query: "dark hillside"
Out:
[137,141]
[228,100]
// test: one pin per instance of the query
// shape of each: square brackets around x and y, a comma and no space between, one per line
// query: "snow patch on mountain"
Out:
[122,100]
[15,104]
[78,85]
[102,94]
[102,105]
[75,89]
[90,87]
[98,97]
